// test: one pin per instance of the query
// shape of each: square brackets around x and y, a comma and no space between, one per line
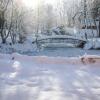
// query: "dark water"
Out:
[63,52]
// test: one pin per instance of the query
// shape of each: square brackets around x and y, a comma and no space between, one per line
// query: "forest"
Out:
[17,20]
[49,49]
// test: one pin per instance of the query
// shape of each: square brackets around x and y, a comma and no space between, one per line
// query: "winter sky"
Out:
[35,3]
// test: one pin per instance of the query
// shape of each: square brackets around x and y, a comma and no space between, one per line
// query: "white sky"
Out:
[34,3]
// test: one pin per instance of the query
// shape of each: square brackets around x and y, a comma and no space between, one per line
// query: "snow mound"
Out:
[93,44]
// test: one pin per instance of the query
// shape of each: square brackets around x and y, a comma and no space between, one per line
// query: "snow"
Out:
[59,36]
[49,78]
[58,45]
[93,44]
[20,48]
[90,33]
[74,32]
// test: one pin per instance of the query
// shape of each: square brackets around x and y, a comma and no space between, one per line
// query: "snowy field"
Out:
[49,78]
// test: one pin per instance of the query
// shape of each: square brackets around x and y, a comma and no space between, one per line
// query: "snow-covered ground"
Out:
[32,50]
[93,43]
[49,78]
[20,48]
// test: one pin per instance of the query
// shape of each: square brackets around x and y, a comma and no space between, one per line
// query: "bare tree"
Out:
[3,22]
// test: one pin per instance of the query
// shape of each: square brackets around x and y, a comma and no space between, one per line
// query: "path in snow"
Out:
[43,78]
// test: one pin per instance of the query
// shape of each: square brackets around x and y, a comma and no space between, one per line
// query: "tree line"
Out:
[17,21]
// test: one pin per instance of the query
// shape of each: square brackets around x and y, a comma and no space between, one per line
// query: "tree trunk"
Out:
[3,41]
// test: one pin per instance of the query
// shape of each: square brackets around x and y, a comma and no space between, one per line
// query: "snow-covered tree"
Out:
[5,27]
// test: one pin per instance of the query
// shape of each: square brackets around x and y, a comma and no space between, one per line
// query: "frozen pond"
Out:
[63,52]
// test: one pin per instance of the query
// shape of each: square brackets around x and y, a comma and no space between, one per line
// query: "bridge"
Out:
[60,41]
